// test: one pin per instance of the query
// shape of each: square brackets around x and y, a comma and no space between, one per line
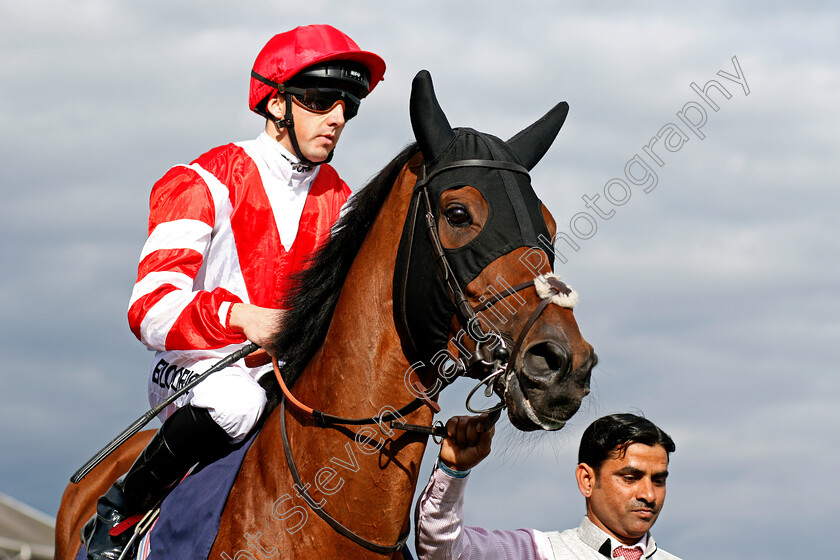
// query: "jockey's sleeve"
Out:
[165,311]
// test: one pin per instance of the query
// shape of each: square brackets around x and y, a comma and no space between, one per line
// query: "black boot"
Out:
[188,436]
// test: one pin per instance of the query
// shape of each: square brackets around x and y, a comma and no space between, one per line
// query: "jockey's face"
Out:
[317,133]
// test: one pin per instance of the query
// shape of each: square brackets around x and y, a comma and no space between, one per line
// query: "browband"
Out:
[493,164]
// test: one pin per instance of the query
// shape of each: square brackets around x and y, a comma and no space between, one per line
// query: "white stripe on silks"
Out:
[223,311]
[544,290]
[154,280]
[220,267]
[218,190]
[178,234]
[162,315]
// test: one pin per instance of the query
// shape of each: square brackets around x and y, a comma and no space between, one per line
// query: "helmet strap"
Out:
[288,123]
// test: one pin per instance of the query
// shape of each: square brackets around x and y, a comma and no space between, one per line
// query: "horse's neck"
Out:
[358,372]
[360,366]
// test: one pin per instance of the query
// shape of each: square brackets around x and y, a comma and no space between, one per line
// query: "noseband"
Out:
[551,290]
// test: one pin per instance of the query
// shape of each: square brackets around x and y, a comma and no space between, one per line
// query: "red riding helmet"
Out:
[288,53]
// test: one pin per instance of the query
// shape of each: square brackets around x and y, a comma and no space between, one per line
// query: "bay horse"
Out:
[430,274]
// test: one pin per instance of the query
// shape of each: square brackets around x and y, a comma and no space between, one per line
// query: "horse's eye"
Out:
[458,217]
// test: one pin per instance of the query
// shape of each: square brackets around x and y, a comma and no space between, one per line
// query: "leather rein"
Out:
[498,361]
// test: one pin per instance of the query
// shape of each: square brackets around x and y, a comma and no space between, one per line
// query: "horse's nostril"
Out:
[545,359]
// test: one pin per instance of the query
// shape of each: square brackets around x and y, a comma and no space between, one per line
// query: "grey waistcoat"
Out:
[588,542]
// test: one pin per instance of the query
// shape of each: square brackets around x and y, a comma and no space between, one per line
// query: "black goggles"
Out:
[322,100]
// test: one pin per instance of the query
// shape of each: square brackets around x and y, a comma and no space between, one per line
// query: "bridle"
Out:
[487,362]
[491,360]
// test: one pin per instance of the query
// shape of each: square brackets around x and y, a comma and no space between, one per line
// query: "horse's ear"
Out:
[531,144]
[430,125]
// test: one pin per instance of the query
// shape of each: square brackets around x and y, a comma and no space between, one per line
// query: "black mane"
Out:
[315,291]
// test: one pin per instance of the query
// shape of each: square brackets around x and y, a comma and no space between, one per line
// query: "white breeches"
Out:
[233,398]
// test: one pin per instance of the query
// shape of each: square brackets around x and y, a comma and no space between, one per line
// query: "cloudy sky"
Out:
[712,299]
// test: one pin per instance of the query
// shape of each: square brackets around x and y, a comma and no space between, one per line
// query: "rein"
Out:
[330,520]
[325,420]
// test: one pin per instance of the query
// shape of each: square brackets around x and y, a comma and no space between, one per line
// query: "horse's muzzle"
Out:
[543,366]
[545,391]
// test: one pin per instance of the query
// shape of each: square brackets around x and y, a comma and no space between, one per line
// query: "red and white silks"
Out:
[233,226]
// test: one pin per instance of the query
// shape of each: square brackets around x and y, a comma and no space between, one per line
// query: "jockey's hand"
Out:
[468,440]
[258,324]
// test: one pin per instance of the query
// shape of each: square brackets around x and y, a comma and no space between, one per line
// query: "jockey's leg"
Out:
[188,436]
[223,409]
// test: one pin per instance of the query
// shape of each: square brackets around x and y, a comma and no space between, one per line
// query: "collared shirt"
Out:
[441,533]
[589,542]
[641,544]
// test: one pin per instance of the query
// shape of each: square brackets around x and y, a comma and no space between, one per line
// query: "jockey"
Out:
[226,234]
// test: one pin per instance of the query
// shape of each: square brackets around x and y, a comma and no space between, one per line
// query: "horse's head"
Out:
[473,288]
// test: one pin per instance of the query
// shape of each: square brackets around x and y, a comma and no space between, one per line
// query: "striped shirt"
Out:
[233,226]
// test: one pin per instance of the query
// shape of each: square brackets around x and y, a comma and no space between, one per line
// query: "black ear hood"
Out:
[455,158]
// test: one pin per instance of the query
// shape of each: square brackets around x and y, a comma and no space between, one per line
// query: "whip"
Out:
[146,418]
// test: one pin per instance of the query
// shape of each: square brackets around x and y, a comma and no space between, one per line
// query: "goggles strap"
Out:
[288,123]
[266,81]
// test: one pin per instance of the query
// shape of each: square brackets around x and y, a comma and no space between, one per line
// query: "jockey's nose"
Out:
[336,115]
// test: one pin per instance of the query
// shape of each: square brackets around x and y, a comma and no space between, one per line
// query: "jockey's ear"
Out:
[276,106]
